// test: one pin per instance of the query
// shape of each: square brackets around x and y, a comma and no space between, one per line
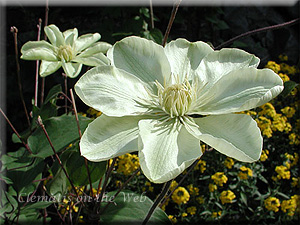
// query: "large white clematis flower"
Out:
[66,50]
[162,101]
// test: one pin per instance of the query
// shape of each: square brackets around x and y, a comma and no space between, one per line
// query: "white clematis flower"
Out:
[162,102]
[66,50]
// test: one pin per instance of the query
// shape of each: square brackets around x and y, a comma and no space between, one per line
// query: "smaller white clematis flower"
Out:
[66,50]
[162,102]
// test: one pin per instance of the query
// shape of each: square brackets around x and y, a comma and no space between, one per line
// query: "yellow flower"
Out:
[216,214]
[264,125]
[288,111]
[93,113]
[264,155]
[273,66]
[272,204]
[244,173]
[128,163]
[279,123]
[284,77]
[180,195]
[297,200]
[267,110]
[283,172]
[229,162]
[193,190]
[294,139]
[289,206]
[292,70]
[227,197]
[173,219]
[219,178]
[201,165]
[173,185]
[191,210]
[212,187]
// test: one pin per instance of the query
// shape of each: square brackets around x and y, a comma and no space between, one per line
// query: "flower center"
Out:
[65,53]
[176,99]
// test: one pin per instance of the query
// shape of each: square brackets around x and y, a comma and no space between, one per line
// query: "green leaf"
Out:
[75,166]
[130,208]
[243,198]
[288,87]
[62,131]
[53,93]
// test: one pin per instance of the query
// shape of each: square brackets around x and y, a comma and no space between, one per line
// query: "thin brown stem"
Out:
[151,15]
[182,179]
[79,131]
[107,175]
[157,201]
[40,122]
[45,38]
[121,188]
[16,132]
[172,18]
[273,27]
[14,30]
[37,66]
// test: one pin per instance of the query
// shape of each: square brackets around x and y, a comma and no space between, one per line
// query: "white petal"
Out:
[109,137]
[48,67]
[38,50]
[72,69]
[98,59]
[70,36]
[54,35]
[140,57]
[166,150]
[219,63]
[96,48]
[85,41]
[112,91]
[235,135]
[185,56]
[240,90]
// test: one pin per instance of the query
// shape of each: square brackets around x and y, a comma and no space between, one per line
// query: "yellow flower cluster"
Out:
[191,210]
[201,166]
[290,206]
[229,162]
[264,155]
[93,113]
[269,121]
[285,68]
[148,187]
[180,195]
[244,173]
[200,199]
[193,190]
[227,197]
[219,178]
[282,173]
[283,57]
[273,66]
[294,139]
[212,187]
[292,160]
[288,111]
[127,164]
[272,204]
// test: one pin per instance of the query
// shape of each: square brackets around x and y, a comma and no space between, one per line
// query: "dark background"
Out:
[209,24]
